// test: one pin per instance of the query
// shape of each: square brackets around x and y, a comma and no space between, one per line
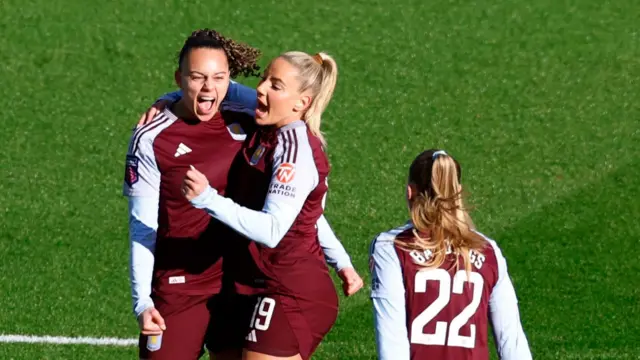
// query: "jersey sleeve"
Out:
[245,97]
[141,186]
[142,176]
[172,96]
[294,170]
[334,253]
[510,339]
[389,307]
[143,224]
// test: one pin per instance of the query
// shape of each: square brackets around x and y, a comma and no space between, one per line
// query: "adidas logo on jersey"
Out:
[252,336]
[182,150]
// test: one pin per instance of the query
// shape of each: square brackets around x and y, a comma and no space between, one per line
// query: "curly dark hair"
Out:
[242,58]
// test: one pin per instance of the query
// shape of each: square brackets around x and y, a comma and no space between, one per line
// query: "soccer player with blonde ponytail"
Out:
[436,207]
[319,76]
[275,197]
[437,282]
[279,167]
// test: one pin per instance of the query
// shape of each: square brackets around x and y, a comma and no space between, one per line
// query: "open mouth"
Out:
[205,104]
[262,109]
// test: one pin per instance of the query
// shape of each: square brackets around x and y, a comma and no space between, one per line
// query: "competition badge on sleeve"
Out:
[131,171]
[375,282]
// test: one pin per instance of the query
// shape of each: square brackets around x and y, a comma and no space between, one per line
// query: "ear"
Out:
[411,191]
[302,104]
[177,78]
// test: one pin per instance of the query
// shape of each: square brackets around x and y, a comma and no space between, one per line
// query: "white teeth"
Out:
[204,98]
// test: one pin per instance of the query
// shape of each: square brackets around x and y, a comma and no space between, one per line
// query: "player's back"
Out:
[446,310]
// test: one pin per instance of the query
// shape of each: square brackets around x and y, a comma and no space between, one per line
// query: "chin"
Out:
[205,117]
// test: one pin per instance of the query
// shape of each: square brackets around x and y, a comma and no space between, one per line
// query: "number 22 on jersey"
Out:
[439,337]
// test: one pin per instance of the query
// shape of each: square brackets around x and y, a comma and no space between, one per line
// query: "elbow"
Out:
[272,243]
[273,240]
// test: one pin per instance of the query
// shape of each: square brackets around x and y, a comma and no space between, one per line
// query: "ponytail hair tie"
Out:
[436,153]
[318,58]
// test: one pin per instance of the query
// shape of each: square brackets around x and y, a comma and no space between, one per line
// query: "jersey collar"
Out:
[291,125]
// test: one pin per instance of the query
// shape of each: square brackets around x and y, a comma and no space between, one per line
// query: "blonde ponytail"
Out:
[319,74]
[441,222]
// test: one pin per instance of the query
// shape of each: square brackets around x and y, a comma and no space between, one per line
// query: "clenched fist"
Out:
[351,281]
[194,184]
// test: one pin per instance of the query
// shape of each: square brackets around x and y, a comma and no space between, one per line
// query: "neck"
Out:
[286,121]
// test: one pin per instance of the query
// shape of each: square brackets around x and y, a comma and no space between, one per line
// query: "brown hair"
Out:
[319,74]
[242,58]
[439,216]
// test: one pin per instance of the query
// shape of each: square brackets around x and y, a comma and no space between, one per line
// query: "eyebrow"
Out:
[275,79]
[203,74]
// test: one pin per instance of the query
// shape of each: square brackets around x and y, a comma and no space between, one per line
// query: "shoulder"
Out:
[233,112]
[491,247]
[385,264]
[239,106]
[238,122]
[490,260]
[294,146]
[143,136]
[304,148]
[386,239]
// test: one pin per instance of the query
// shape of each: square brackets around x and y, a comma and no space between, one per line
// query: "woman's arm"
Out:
[388,297]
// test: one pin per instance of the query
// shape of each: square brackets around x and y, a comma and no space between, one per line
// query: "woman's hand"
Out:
[194,184]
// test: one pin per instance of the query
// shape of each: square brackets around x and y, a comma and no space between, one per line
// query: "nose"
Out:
[208,83]
[262,88]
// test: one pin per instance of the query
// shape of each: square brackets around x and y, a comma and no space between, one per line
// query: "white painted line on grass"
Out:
[62,340]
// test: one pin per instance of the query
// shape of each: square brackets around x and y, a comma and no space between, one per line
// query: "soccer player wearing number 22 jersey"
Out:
[436,282]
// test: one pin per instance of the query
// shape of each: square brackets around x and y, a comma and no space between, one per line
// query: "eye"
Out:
[196,77]
[219,78]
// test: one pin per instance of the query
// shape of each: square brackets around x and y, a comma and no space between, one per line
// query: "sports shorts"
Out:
[194,321]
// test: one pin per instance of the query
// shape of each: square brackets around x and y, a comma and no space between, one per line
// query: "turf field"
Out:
[537,99]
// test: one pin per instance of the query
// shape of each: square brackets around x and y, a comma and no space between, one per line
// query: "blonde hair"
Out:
[440,219]
[319,74]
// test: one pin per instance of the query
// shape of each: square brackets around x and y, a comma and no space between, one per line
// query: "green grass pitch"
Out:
[539,100]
